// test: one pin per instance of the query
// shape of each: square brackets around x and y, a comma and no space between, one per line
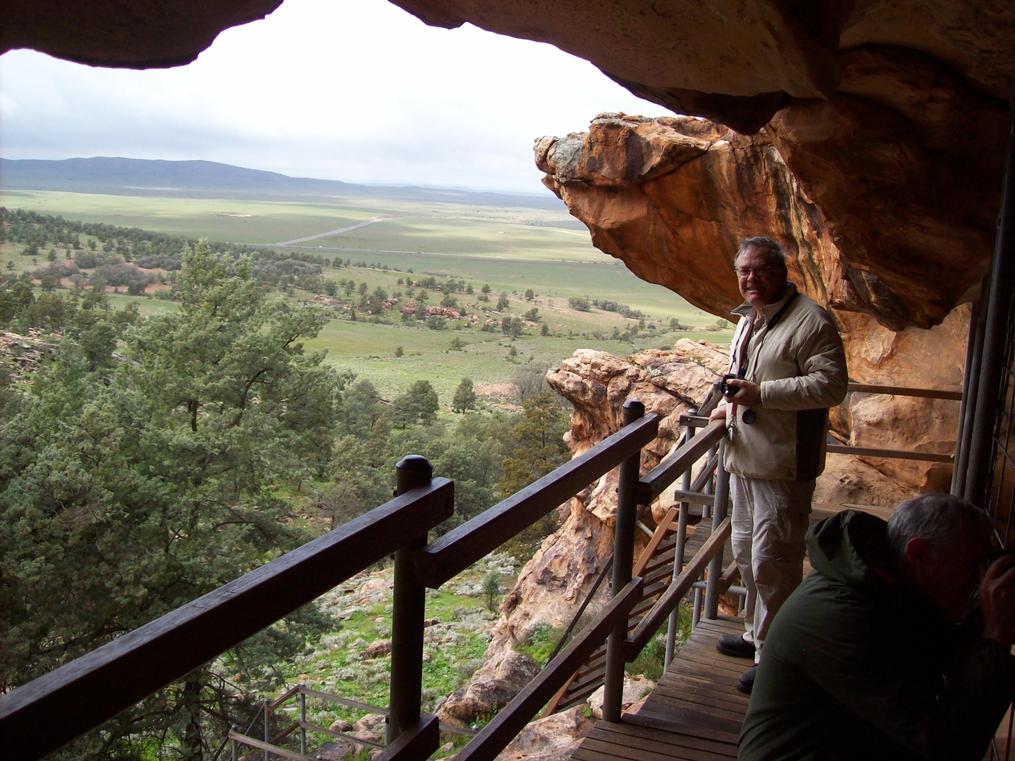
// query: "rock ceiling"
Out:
[890,115]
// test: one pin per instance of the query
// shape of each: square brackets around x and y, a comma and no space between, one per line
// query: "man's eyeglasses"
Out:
[758,271]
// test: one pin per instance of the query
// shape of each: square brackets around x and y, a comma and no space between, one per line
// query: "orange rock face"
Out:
[671,197]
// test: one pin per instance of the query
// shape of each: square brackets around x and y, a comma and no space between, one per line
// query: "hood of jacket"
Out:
[851,547]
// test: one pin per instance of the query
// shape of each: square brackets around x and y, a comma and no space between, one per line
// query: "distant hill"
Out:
[119,176]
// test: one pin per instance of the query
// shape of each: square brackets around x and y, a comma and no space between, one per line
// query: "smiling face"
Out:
[762,281]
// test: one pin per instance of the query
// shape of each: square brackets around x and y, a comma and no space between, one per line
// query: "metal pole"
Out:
[673,622]
[303,721]
[722,493]
[408,607]
[970,381]
[993,340]
[267,737]
[623,559]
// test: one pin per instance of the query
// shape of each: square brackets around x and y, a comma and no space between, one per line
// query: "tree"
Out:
[131,488]
[533,447]
[491,588]
[359,410]
[417,405]
[465,397]
[502,302]
[529,294]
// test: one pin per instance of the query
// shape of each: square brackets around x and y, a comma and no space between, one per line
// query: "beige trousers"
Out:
[769,523]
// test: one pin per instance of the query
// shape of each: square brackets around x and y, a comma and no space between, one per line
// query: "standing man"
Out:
[789,368]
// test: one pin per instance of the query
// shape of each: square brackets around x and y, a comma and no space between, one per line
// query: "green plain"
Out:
[511,249]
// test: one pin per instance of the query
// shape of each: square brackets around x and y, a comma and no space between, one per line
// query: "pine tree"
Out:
[465,397]
[128,489]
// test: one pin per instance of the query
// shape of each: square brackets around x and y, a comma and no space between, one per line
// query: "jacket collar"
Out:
[745,309]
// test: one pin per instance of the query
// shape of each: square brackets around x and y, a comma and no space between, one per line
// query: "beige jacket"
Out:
[801,367]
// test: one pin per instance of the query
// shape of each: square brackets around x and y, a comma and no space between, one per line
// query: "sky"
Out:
[356,91]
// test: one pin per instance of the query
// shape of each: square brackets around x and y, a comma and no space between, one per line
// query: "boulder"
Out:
[553,738]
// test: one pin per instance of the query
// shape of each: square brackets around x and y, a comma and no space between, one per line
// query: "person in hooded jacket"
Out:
[897,646]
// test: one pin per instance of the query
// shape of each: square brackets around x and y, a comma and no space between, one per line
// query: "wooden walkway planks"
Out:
[693,714]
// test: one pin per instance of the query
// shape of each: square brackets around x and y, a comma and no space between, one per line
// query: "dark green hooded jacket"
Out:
[856,667]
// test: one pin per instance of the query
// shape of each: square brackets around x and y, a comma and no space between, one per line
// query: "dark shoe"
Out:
[745,683]
[735,645]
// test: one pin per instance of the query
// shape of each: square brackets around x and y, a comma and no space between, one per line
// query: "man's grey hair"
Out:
[773,251]
[941,519]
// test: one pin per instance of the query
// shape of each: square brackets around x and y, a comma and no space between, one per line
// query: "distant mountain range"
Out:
[119,176]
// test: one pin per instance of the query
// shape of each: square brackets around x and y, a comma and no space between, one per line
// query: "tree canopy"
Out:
[128,489]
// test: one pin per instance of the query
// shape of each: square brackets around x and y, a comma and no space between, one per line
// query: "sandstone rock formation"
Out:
[562,572]
[672,196]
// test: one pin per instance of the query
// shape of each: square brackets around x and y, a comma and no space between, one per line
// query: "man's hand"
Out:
[719,413]
[748,393]
[997,601]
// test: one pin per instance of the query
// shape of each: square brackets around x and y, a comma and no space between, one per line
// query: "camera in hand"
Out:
[725,388]
[728,392]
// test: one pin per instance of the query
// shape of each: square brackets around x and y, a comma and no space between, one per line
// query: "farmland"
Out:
[512,250]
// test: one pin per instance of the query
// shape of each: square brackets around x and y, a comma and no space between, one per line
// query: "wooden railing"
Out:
[50,711]
[897,454]
[57,707]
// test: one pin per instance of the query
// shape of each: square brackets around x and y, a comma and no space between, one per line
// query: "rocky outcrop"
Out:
[564,569]
[671,197]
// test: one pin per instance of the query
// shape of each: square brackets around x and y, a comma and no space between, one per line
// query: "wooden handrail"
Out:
[495,736]
[415,744]
[672,596]
[662,475]
[464,545]
[925,393]
[100,684]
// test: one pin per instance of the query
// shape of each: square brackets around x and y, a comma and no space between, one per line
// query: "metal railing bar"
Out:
[495,736]
[669,600]
[152,656]
[335,733]
[705,476]
[347,702]
[274,704]
[892,454]
[464,545]
[262,745]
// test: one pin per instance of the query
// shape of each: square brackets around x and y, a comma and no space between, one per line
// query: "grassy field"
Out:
[510,249]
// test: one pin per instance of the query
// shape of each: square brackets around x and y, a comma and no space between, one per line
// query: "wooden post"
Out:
[408,607]
[623,557]
[722,494]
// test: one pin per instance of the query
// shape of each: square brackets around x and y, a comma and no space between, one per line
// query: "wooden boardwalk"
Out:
[694,712]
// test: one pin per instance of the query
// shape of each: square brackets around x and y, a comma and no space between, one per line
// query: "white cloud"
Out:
[358,91]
